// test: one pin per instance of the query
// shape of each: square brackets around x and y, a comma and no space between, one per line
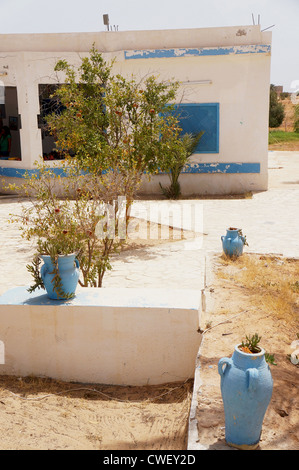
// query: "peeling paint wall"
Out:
[206,51]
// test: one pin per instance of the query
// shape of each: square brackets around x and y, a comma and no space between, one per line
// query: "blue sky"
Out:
[51,16]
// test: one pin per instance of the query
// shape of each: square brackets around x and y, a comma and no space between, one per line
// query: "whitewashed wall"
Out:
[235,61]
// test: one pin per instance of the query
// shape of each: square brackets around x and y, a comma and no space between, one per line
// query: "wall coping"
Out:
[109,297]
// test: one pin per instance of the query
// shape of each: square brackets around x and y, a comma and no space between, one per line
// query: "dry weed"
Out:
[271,281]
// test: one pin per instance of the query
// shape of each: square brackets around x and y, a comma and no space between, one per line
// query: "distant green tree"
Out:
[276,109]
[296,118]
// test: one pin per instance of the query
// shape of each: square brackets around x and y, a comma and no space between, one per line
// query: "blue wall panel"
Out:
[201,117]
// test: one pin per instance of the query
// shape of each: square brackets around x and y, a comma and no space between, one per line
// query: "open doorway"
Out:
[10,121]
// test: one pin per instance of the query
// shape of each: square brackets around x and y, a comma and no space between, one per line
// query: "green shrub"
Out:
[276,109]
[296,119]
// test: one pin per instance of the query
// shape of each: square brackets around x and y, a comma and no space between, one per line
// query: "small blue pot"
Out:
[68,269]
[233,242]
[246,388]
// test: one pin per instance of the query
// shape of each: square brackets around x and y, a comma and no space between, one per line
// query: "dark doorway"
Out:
[49,104]
[10,118]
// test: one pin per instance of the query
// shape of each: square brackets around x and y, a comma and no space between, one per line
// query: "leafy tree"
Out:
[112,123]
[276,109]
[118,130]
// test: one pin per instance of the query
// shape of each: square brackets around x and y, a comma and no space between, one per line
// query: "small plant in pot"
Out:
[85,226]
[251,346]
[59,241]
[59,274]
[52,225]
[246,388]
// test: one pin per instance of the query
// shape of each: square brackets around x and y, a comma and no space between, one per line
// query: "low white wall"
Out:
[109,336]
[207,184]
[191,184]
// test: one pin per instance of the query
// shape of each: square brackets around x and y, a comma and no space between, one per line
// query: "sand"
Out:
[236,313]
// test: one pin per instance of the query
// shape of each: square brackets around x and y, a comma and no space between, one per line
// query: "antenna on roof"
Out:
[259,22]
[106,21]
[258,19]
[268,28]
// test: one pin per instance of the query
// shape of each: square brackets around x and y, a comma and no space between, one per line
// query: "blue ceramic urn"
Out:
[246,388]
[233,242]
[68,271]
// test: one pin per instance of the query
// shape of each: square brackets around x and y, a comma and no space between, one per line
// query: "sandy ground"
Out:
[285,146]
[41,414]
[236,313]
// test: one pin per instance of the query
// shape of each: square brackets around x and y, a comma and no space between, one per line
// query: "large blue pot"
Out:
[233,242]
[246,388]
[68,270]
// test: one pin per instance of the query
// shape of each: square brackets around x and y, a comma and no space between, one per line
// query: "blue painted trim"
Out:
[23,172]
[197,52]
[194,168]
[223,168]
[195,104]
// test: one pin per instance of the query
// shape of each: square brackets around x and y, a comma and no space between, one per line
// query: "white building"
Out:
[224,75]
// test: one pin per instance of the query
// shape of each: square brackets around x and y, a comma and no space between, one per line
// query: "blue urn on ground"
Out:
[60,279]
[246,388]
[233,242]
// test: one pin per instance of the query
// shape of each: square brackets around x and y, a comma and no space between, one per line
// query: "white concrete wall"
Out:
[109,336]
[239,83]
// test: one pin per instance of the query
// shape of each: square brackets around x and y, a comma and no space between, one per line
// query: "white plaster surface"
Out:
[108,336]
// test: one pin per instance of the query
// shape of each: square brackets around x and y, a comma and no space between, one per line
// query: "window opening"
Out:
[10,124]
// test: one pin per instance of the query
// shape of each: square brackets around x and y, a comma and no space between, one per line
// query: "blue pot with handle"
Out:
[246,388]
[233,242]
[67,275]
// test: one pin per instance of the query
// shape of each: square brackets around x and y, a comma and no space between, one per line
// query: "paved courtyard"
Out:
[269,220]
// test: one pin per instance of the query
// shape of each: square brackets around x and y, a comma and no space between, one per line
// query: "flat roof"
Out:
[111,41]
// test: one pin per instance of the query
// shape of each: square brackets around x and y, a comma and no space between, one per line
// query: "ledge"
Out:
[108,335]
